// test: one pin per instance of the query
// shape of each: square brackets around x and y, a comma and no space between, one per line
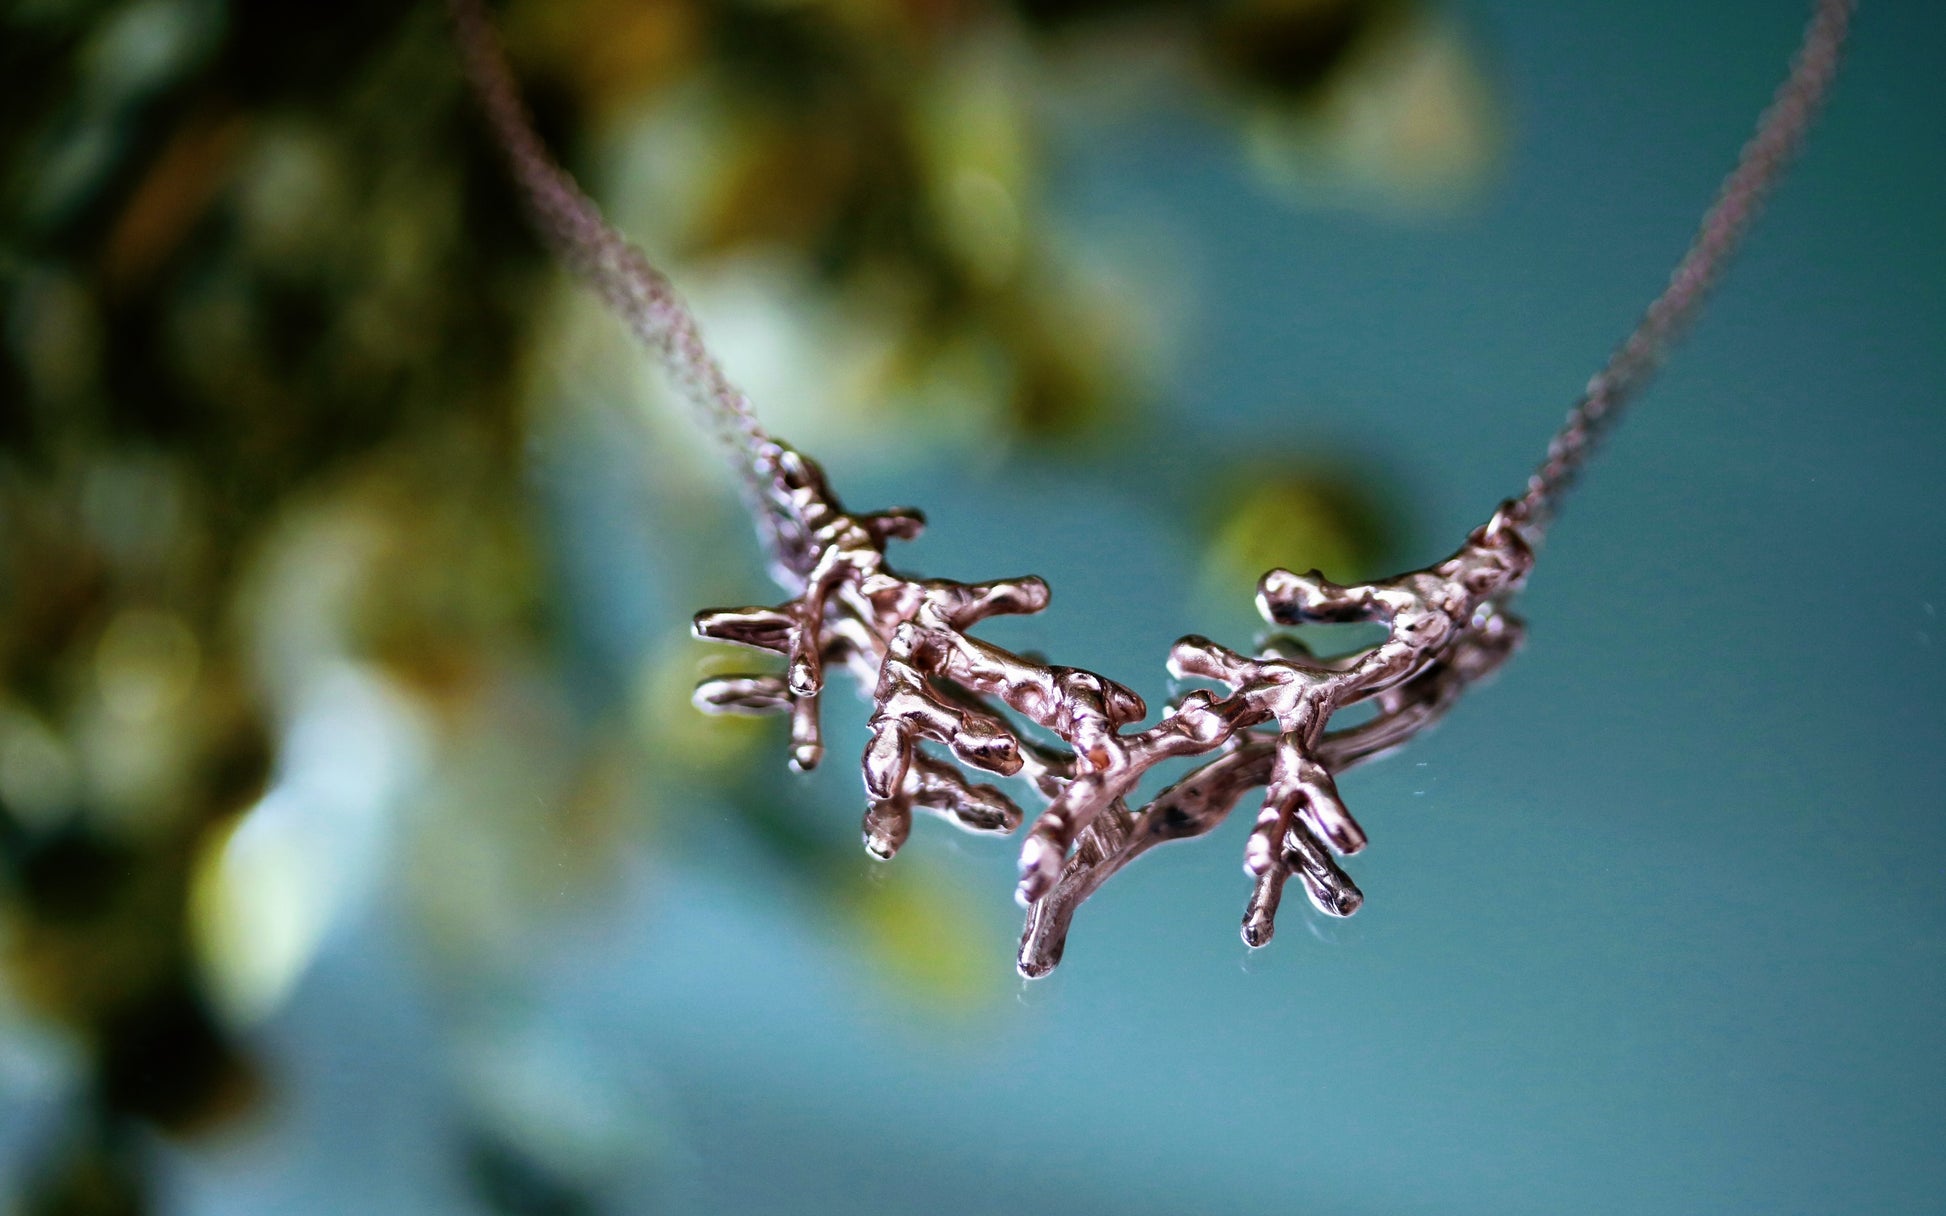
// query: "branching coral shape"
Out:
[905,640]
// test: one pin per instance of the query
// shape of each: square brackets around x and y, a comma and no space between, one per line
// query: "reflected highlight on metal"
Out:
[905,641]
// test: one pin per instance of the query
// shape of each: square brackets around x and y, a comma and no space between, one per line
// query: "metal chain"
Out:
[626,280]
[1780,131]
[620,273]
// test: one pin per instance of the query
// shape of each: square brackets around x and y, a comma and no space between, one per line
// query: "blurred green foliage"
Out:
[266,313]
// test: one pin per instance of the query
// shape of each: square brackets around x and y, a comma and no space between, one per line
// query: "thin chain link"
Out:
[621,274]
[625,279]
[1780,131]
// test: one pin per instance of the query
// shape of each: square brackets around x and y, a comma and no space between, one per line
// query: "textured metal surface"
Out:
[906,642]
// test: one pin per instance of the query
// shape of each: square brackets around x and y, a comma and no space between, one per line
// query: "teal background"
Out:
[1656,922]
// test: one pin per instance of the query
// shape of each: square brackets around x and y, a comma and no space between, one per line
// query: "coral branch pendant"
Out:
[905,641]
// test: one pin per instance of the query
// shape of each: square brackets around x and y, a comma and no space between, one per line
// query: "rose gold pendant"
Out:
[905,642]
[934,686]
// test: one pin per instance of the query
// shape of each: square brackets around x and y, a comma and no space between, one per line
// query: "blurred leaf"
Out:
[928,938]
[1406,123]
[1294,520]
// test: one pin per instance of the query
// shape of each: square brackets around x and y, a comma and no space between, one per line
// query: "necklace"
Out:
[905,640]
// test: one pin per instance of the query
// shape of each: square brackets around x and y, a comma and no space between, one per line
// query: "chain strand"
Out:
[624,278]
[1780,132]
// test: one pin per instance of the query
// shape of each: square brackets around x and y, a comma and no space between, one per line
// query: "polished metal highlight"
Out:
[905,642]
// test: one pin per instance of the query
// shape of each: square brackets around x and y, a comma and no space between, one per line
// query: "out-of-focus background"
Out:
[359,850]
